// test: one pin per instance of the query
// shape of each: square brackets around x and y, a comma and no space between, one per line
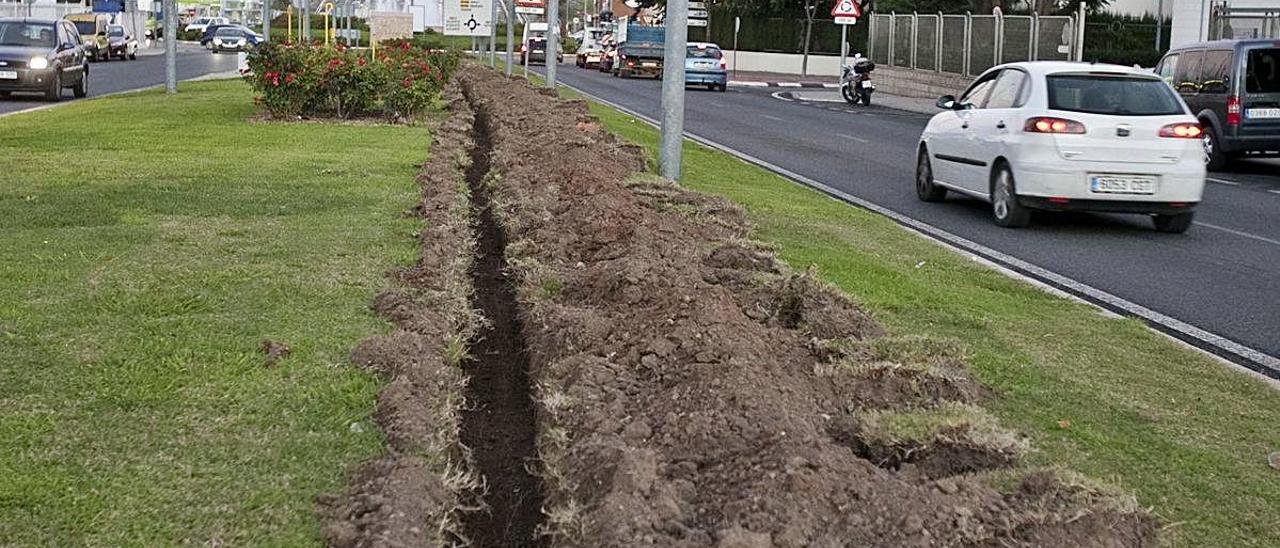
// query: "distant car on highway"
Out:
[93,33]
[1233,88]
[42,55]
[704,65]
[120,44]
[206,39]
[202,22]
[232,38]
[1066,136]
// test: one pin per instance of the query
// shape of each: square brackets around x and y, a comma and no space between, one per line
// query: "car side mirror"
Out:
[947,102]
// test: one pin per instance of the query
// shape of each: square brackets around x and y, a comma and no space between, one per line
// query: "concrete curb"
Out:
[748,83]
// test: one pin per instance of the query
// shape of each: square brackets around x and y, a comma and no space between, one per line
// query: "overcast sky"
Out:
[1136,7]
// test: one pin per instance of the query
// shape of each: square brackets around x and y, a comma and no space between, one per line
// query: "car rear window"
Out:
[1262,71]
[115,31]
[1112,94]
[704,53]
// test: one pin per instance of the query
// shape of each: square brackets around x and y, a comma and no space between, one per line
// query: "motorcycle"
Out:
[855,81]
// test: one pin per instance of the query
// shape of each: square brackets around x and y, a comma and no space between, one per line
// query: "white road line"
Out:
[778,95]
[858,139]
[1274,191]
[1270,365]
[1239,233]
[774,118]
[789,84]
[1221,181]
[749,84]
[830,86]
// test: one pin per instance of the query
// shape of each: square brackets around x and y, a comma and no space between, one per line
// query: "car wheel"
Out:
[1214,157]
[925,189]
[4,95]
[133,56]
[1173,224]
[866,98]
[724,87]
[1005,209]
[54,92]
[81,89]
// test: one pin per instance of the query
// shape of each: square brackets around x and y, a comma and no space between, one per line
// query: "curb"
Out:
[747,83]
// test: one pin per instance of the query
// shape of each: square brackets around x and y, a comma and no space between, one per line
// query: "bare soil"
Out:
[692,391]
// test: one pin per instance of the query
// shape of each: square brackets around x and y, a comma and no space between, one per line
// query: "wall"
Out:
[386,25]
[891,80]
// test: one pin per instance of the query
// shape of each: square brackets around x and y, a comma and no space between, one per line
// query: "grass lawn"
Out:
[151,244]
[1099,395]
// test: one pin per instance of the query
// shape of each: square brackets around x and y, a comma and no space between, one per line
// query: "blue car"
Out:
[704,65]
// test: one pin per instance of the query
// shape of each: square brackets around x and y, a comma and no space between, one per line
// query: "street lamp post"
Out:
[673,56]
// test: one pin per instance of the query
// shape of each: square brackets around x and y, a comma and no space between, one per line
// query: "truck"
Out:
[533,46]
[639,49]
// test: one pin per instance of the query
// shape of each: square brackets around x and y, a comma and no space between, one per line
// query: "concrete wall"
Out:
[891,80]
[1191,18]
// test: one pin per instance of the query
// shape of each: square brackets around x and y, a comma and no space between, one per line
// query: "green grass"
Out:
[151,244]
[1186,434]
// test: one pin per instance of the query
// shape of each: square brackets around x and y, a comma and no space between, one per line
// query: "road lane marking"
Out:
[774,118]
[1239,233]
[789,84]
[858,139]
[778,95]
[1274,191]
[1221,181]
[1231,352]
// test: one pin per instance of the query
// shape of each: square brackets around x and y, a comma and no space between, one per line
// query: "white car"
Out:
[1066,136]
[204,22]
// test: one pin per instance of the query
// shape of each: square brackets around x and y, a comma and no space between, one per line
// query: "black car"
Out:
[1233,87]
[43,55]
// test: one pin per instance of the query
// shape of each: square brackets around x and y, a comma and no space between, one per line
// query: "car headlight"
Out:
[217,41]
[39,63]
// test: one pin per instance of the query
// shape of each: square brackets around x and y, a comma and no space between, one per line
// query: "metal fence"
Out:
[1228,23]
[42,10]
[969,44]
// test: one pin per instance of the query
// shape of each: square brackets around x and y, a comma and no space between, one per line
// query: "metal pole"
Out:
[266,20]
[808,31]
[171,46]
[1159,23]
[844,44]
[553,41]
[306,20]
[511,34]
[737,24]
[493,33]
[673,56]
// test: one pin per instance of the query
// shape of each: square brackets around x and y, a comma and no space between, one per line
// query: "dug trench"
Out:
[690,389]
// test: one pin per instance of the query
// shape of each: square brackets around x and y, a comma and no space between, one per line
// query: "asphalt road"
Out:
[1223,276]
[148,70]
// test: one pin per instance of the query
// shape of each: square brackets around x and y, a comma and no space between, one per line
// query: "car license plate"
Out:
[1259,113]
[867,85]
[648,64]
[8,75]
[1122,184]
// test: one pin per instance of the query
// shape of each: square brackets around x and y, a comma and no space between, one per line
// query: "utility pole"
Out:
[1159,23]
[673,56]
[170,46]
[306,20]
[266,20]
[809,8]
[553,40]
[511,34]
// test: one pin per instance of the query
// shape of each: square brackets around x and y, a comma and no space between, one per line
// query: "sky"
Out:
[1136,7]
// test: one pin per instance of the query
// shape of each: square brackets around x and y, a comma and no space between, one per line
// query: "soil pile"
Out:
[410,497]
[691,390]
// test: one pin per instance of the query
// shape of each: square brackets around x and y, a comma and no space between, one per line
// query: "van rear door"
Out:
[1260,91]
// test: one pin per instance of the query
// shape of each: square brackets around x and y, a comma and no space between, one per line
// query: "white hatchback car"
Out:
[1066,136]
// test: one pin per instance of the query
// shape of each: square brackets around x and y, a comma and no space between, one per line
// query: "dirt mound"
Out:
[687,389]
[410,497]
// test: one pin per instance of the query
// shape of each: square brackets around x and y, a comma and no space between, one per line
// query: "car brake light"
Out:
[723,66]
[1047,124]
[1182,131]
[1233,111]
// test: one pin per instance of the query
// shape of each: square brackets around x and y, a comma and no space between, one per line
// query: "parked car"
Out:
[589,56]
[1233,88]
[201,23]
[1066,136]
[120,44]
[232,38]
[43,55]
[704,65]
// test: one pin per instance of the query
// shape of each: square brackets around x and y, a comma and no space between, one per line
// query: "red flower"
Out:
[360,61]
[288,78]
[408,82]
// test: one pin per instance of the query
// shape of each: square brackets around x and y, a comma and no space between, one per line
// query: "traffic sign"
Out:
[530,7]
[697,5]
[467,17]
[846,12]
[697,22]
[697,14]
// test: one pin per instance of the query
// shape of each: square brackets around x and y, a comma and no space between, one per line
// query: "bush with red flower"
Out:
[399,84]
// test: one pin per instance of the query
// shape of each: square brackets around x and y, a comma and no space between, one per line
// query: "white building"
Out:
[1192,19]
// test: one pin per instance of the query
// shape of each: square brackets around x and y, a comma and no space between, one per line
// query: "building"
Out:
[1199,20]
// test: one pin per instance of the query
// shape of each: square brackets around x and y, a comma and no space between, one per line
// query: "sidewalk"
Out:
[781,80]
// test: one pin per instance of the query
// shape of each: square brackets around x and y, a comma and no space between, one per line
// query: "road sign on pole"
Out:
[467,17]
[531,7]
[846,12]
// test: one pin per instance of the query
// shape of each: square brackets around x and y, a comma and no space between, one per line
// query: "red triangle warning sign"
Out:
[846,8]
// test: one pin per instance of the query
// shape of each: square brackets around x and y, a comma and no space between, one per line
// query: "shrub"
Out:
[399,83]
